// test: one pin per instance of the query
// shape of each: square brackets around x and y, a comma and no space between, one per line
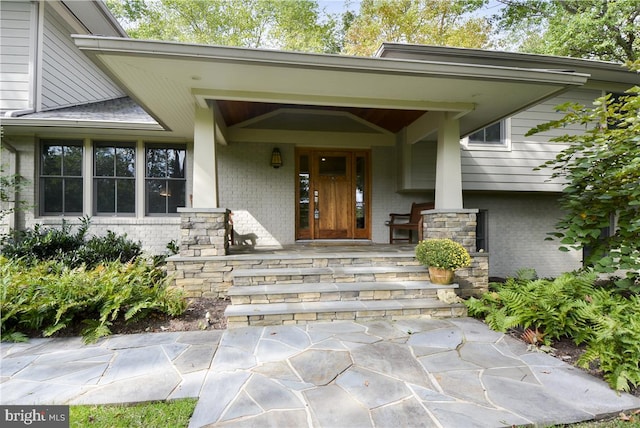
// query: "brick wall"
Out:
[154,233]
[261,198]
[385,198]
[518,228]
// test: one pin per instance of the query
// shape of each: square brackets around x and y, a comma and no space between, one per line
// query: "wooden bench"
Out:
[409,221]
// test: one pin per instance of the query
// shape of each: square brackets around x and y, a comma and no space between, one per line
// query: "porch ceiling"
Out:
[170,79]
[235,112]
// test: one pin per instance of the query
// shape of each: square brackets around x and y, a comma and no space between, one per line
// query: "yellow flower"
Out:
[442,253]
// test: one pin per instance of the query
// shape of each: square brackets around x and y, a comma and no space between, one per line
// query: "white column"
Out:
[448,168]
[205,181]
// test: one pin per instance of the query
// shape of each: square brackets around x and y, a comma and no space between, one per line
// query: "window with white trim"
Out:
[61,186]
[165,180]
[117,178]
[493,137]
[114,178]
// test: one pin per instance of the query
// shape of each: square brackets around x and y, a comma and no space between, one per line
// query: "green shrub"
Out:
[42,243]
[108,248]
[571,306]
[50,296]
[71,248]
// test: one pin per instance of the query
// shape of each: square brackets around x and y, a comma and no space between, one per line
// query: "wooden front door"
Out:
[333,194]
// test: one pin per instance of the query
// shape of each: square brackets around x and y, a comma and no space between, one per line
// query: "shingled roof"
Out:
[116,110]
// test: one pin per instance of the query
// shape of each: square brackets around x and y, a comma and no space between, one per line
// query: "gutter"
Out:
[15,121]
[17,113]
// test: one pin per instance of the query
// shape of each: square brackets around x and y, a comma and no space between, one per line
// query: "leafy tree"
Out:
[288,25]
[602,169]
[597,29]
[433,22]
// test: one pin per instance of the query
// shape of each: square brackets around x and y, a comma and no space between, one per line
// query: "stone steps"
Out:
[261,276]
[322,259]
[361,310]
[333,291]
[327,287]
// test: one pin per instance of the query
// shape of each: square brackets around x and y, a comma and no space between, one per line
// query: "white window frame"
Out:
[94,197]
[156,145]
[505,146]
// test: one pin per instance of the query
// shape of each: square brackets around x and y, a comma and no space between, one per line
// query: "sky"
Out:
[339,6]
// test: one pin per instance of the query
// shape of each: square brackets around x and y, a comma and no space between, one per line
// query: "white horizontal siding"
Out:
[514,169]
[68,76]
[16,51]
[545,112]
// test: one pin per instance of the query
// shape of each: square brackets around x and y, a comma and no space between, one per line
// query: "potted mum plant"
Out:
[442,257]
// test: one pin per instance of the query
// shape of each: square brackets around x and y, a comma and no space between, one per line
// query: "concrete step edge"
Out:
[336,306]
[334,287]
[337,270]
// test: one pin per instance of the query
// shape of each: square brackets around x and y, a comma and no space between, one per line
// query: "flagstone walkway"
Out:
[413,373]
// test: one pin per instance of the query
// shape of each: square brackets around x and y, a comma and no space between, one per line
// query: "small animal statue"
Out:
[248,239]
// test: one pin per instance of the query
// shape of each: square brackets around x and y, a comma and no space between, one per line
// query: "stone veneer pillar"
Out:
[457,225]
[204,232]
[460,225]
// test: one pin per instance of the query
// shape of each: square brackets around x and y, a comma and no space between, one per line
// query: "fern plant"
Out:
[50,296]
[614,338]
[571,306]
[547,305]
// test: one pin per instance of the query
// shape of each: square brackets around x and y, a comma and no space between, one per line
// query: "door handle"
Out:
[316,211]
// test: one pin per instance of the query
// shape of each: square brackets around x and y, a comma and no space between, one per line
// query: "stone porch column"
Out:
[457,225]
[205,174]
[448,168]
[204,232]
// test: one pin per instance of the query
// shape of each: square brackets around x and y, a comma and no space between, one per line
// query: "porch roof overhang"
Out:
[170,79]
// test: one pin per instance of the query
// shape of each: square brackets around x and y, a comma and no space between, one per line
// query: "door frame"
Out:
[305,228]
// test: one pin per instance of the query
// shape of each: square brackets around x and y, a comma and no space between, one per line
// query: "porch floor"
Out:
[337,247]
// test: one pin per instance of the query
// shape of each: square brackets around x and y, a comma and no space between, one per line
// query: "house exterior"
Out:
[139,134]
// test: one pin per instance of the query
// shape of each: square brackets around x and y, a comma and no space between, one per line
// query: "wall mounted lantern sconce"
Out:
[276,158]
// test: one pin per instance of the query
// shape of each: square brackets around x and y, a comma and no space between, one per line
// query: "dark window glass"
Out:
[333,165]
[114,178]
[73,195]
[165,187]
[490,135]
[73,161]
[482,230]
[360,192]
[61,188]
[303,189]
[52,189]
[52,159]
[104,161]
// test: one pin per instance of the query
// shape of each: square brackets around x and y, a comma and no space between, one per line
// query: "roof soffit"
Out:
[154,74]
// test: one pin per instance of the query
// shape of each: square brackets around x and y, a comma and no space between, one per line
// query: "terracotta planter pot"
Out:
[441,276]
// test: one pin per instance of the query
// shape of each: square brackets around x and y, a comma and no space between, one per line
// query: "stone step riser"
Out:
[324,262]
[363,316]
[317,278]
[331,296]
